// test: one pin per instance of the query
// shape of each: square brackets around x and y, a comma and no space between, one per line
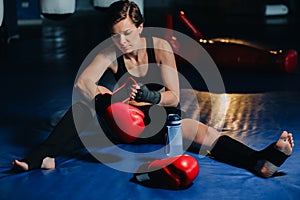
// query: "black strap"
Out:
[273,155]
[150,51]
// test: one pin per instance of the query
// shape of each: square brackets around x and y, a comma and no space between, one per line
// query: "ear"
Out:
[140,27]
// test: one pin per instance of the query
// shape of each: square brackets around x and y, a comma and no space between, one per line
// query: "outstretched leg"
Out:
[199,135]
[228,150]
[263,163]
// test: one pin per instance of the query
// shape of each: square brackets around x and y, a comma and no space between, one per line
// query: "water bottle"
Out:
[174,137]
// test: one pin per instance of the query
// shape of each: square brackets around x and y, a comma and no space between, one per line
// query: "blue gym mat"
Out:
[37,74]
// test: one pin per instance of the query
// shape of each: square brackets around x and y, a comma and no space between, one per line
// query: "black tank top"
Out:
[152,79]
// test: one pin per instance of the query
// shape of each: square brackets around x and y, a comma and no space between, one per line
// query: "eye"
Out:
[115,36]
[128,32]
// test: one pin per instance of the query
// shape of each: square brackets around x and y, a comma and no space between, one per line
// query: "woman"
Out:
[126,26]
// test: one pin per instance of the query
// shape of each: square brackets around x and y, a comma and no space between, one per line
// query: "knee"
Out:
[82,112]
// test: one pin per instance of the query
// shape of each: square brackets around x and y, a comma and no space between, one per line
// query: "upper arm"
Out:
[165,57]
[95,69]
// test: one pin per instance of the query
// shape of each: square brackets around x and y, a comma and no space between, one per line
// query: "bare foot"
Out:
[23,166]
[48,163]
[284,144]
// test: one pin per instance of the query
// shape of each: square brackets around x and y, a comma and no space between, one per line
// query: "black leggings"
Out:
[66,131]
[225,150]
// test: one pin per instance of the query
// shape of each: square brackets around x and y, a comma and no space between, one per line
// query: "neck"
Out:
[138,54]
[135,55]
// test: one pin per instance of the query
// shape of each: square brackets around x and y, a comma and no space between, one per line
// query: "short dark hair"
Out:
[119,10]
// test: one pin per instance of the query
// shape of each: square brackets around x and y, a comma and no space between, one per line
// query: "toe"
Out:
[20,164]
[290,139]
[284,134]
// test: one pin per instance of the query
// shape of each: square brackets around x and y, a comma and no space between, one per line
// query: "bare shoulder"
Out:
[161,44]
[107,53]
[106,56]
[163,51]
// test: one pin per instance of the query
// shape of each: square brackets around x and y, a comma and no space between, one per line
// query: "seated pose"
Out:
[129,55]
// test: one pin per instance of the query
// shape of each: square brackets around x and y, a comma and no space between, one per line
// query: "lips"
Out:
[125,48]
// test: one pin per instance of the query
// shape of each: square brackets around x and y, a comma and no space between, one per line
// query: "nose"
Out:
[122,39]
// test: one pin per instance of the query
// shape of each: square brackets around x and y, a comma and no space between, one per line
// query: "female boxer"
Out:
[126,26]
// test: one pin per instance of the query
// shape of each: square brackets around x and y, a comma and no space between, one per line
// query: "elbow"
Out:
[175,99]
[169,99]
[79,85]
[175,102]
[84,89]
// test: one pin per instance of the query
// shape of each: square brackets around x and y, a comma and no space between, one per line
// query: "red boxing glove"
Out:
[176,172]
[125,120]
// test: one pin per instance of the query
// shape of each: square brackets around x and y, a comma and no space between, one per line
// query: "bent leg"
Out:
[64,132]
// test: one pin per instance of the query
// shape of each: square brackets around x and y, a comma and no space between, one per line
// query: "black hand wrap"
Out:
[145,95]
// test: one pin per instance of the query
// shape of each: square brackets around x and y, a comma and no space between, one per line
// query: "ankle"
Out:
[265,169]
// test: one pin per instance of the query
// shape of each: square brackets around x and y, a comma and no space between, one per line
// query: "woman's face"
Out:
[126,35]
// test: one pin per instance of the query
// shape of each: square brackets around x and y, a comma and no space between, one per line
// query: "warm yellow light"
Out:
[273,52]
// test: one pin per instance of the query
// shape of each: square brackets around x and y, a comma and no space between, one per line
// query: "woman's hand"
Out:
[133,90]
[141,93]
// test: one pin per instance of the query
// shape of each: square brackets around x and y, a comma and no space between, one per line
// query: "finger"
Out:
[134,90]
[132,96]
[137,86]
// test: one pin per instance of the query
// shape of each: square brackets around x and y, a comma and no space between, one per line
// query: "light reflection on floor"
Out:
[238,114]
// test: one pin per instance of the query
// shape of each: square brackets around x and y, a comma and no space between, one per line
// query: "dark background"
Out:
[62,43]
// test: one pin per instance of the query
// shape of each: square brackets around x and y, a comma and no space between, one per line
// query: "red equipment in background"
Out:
[239,54]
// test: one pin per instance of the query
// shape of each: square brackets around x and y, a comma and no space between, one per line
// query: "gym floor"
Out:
[37,74]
